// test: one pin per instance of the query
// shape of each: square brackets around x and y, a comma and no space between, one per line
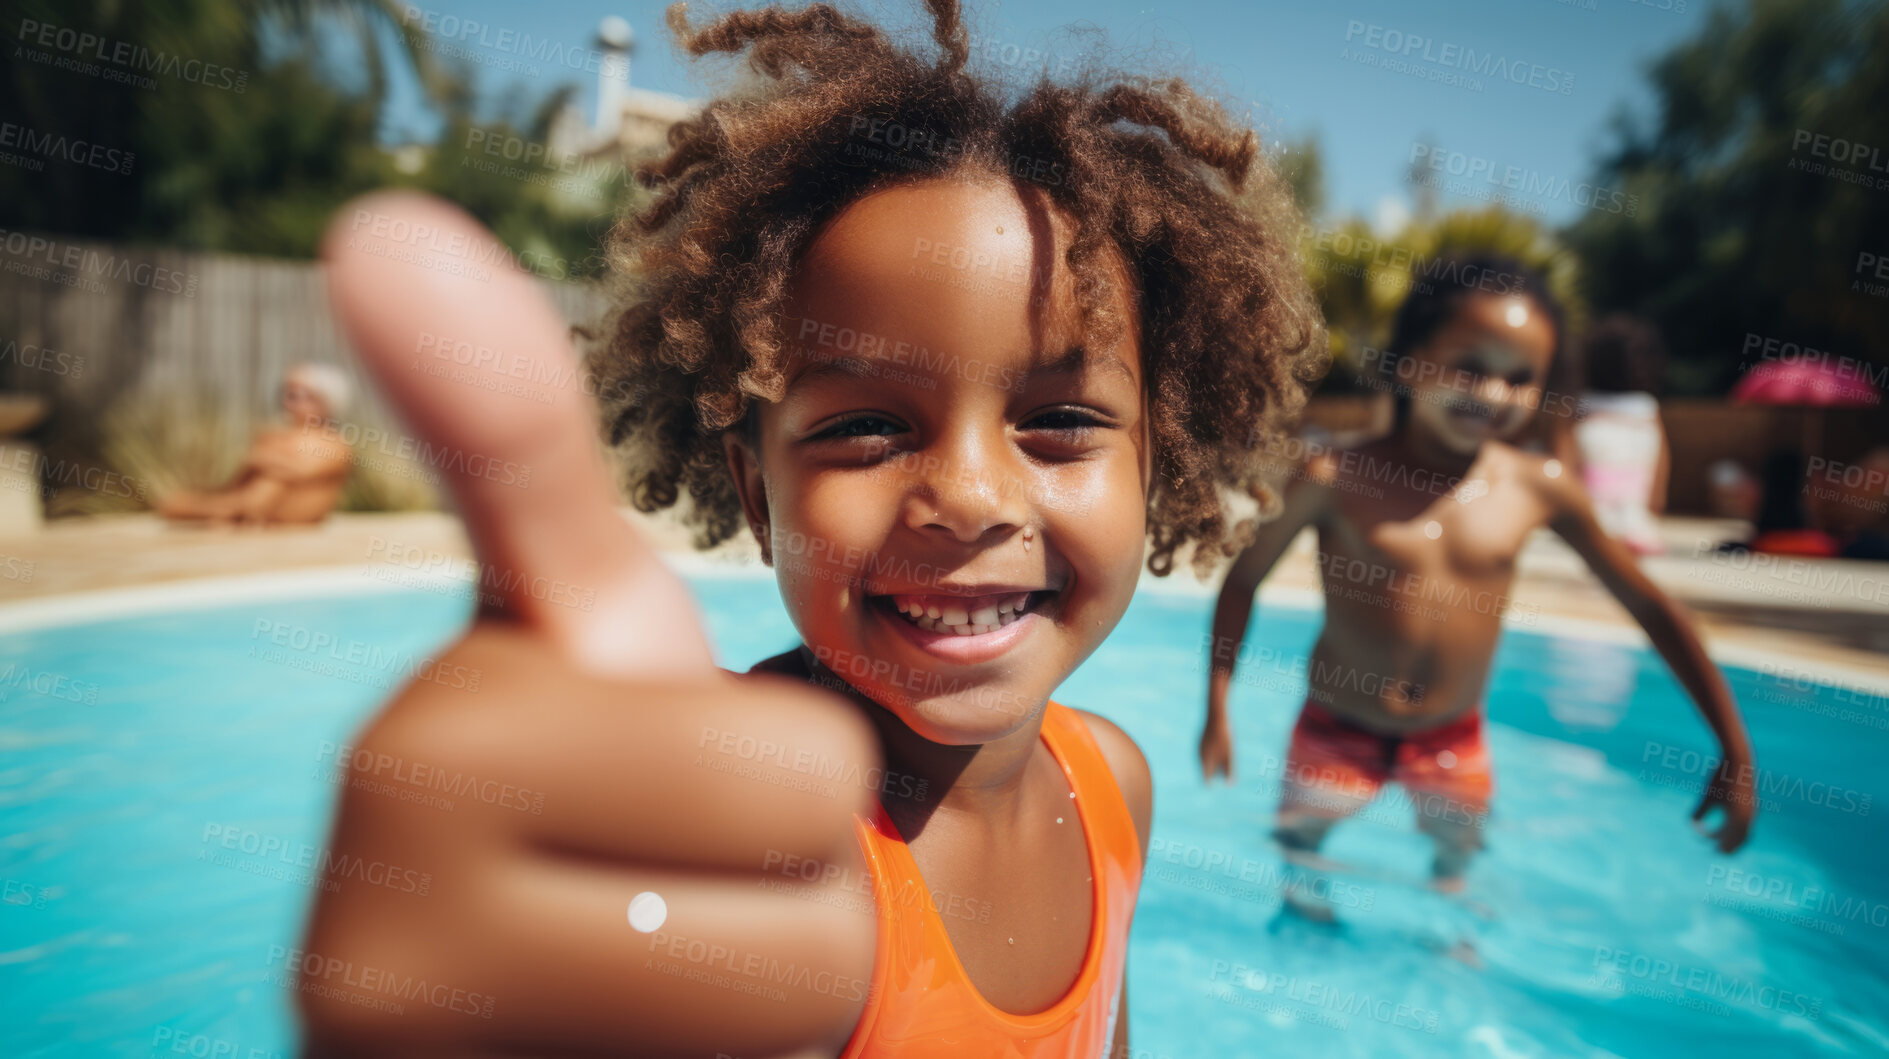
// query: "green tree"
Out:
[1362,275]
[1303,164]
[256,160]
[552,211]
[233,132]
[1738,224]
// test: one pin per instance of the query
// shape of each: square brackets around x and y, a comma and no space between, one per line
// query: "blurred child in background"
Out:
[1618,440]
[1419,533]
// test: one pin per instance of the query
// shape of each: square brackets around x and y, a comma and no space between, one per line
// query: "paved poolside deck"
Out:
[1828,618]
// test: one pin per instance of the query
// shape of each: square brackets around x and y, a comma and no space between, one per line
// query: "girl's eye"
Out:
[860,426]
[1073,422]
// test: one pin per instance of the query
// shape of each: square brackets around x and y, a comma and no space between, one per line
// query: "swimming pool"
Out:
[165,777]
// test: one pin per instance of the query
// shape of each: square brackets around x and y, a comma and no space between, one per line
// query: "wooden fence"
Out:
[159,365]
[161,351]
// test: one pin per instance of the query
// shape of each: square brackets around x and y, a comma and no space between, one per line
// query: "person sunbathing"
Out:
[294,472]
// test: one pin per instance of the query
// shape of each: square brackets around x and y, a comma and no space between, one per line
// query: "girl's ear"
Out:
[744,465]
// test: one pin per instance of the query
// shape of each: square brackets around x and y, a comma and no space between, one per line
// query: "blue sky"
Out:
[1329,69]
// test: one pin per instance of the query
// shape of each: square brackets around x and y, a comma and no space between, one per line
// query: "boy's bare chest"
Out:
[1474,534]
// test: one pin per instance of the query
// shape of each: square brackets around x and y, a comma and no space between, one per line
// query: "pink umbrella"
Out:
[1810,381]
[1818,382]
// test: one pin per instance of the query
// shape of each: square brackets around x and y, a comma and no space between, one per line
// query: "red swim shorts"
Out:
[1334,767]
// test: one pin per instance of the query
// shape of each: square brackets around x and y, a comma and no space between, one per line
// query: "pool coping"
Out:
[360,579]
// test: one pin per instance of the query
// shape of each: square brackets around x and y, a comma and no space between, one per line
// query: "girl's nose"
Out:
[967,492]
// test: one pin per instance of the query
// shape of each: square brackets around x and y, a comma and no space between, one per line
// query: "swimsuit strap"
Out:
[923,1005]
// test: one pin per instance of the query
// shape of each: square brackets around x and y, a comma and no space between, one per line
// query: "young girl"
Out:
[954,362]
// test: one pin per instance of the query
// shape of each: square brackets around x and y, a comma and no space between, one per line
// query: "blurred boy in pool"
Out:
[961,364]
[1418,536]
[294,471]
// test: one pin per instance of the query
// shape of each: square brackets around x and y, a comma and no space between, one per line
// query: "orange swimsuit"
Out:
[923,1005]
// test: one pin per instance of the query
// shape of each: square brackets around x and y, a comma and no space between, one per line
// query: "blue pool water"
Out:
[1601,924]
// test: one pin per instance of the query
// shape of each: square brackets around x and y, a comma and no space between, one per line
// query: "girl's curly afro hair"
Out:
[1147,169]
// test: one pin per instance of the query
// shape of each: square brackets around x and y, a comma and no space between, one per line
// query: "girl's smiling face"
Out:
[953,489]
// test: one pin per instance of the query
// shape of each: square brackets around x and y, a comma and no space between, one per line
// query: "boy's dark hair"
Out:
[1231,332]
[1440,288]
[1624,354]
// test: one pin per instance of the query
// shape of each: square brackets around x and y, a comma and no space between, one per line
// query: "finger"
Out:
[449,326]
[1705,804]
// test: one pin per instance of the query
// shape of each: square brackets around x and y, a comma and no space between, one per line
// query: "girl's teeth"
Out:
[963,621]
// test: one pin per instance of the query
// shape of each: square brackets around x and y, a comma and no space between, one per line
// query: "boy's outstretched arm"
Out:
[1305,499]
[1671,630]
[590,878]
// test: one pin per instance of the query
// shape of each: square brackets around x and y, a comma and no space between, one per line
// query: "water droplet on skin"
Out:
[648,911]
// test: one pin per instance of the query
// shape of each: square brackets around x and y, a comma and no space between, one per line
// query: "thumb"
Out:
[479,364]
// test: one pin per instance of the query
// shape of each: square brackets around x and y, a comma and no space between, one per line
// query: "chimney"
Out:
[613,73]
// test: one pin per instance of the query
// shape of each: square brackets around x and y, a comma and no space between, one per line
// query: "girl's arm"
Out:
[572,853]
[1305,504]
[1674,637]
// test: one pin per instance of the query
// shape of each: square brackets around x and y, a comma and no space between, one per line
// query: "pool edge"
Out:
[360,579]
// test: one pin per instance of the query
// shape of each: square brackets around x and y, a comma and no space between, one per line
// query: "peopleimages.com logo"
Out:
[1457,59]
[119,60]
